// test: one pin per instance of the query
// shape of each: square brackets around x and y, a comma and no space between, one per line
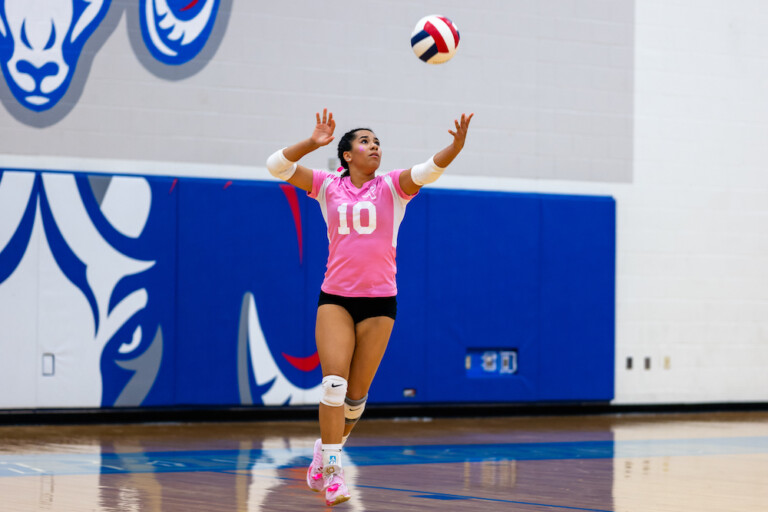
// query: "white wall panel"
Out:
[20,360]
[693,239]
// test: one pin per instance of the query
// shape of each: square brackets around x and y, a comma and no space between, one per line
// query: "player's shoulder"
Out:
[323,181]
[391,174]
[323,175]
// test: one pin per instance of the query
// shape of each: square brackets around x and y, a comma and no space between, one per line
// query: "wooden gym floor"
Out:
[698,462]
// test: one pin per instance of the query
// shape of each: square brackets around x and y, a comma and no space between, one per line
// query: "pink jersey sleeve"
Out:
[318,177]
[395,175]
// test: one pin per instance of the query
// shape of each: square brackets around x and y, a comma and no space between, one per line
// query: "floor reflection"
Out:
[681,463]
[725,467]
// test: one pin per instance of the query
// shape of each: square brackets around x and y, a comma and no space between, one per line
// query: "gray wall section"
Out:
[550,82]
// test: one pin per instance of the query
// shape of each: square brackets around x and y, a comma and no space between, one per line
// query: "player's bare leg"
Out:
[335,336]
[372,336]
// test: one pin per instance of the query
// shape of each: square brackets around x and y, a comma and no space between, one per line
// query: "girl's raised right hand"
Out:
[323,133]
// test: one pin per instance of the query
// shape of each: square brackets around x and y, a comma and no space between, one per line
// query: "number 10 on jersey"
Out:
[356,221]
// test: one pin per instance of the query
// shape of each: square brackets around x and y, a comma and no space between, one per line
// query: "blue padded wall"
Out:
[577,298]
[478,284]
[532,275]
[477,270]
[528,272]
[238,238]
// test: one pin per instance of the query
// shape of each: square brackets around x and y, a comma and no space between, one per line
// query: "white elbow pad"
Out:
[427,172]
[279,166]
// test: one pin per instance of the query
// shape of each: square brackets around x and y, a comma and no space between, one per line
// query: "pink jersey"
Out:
[362,232]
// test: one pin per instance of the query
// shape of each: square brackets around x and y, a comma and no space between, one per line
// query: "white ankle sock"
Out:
[332,456]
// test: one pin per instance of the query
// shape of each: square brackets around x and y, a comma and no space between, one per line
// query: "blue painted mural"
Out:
[41,41]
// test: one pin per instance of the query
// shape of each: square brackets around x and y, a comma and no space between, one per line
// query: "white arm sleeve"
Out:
[279,166]
[427,172]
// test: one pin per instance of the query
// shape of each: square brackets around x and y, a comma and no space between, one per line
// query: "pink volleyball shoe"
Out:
[315,471]
[336,489]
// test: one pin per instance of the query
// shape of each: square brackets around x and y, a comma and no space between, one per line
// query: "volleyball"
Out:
[435,39]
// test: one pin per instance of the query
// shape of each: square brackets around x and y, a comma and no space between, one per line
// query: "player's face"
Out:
[366,152]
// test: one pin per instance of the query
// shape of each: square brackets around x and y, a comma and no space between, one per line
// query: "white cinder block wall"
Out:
[693,227]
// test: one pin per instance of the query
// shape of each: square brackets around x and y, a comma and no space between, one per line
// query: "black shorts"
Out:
[361,308]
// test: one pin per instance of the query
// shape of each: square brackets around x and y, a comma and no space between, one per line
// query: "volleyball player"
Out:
[357,306]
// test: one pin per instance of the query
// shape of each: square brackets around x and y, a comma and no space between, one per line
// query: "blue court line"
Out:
[228,460]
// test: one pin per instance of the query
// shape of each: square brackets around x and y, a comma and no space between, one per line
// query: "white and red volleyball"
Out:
[435,39]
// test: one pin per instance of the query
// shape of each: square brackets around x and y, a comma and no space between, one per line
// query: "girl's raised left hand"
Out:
[460,135]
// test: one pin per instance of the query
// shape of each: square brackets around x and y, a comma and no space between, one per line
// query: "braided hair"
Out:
[345,144]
